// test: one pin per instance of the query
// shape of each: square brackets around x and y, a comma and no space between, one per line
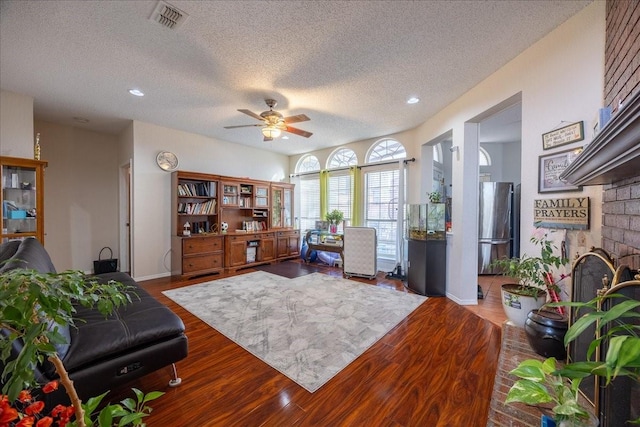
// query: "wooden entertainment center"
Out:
[259,216]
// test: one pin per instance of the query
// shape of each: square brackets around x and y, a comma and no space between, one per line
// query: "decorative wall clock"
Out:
[167,160]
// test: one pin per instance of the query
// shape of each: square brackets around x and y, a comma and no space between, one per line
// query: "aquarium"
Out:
[425,221]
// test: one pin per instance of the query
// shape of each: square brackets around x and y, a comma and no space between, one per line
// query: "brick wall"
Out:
[622,51]
[621,201]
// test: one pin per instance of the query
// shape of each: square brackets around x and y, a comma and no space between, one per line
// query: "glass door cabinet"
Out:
[281,206]
[22,198]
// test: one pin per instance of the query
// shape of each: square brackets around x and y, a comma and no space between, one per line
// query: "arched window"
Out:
[341,158]
[308,163]
[386,149]
[484,159]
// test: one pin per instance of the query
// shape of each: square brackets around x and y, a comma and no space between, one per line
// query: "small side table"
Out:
[317,240]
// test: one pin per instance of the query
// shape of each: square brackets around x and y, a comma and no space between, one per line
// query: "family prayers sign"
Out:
[570,213]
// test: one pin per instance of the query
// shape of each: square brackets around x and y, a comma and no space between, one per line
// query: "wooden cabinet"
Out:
[261,196]
[288,243]
[244,250]
[236,251]
[230,194]
[22,198]
[281,205]
[267,248]
[197,255]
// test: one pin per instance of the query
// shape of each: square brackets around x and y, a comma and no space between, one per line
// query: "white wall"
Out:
[151,225]
[81,193]
[16,125]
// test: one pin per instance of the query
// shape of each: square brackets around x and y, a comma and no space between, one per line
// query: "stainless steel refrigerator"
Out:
[495,225]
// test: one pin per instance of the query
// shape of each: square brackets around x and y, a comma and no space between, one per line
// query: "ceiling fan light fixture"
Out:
[271,132]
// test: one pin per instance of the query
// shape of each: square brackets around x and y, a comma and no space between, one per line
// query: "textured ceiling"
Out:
[349,66]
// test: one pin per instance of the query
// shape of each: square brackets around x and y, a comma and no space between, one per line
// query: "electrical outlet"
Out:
[582,239]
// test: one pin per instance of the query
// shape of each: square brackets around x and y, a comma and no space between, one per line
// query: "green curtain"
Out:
[324,194]
[356,196]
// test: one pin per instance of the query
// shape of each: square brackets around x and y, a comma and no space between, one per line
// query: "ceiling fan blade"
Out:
[252,114]
[296,119]
[242,126]
[298,131]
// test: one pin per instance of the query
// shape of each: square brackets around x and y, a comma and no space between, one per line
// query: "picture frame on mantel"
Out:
[551,166]
[563,136]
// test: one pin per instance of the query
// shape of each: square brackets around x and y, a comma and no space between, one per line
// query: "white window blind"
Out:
[381,209]
[309,202]
[340,195]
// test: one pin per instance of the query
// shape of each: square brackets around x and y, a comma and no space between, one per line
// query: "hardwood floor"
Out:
[436,368]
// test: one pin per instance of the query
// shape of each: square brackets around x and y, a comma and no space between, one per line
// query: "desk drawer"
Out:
[198,245]
[199,263]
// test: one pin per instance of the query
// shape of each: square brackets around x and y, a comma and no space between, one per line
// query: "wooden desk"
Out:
[326,247]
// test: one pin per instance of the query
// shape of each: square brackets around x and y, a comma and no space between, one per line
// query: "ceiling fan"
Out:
[274,122]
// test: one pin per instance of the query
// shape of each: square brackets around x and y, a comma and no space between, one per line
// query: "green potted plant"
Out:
[334,217]
[434,197]
[534,279]
[544,382]
[29,303]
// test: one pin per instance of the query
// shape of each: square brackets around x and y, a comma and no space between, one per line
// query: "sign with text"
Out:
[570,213]
[565,135]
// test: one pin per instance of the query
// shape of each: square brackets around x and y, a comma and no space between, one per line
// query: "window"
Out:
[382,209]
[437,153]
[341,158]
[386,149]
[308,163]
[382,190]
[309,191]
[484,159]
[339,183]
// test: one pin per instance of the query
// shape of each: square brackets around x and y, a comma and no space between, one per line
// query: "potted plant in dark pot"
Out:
[533,279]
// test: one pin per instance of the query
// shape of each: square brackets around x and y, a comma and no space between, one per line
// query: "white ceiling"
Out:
[348,65]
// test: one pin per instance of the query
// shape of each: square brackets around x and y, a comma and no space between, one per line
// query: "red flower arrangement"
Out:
[27,411]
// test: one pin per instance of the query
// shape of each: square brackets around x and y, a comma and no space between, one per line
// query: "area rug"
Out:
[309,328]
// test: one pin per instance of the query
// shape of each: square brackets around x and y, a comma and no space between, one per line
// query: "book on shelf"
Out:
[206,208]
[197,189]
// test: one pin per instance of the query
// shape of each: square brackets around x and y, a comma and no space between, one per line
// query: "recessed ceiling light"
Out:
[81,120]
[413,100]
[136,92]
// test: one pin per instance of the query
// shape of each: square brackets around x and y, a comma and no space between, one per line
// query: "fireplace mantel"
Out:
[614,154]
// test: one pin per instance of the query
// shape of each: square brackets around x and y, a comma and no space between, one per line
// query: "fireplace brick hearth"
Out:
[514,349]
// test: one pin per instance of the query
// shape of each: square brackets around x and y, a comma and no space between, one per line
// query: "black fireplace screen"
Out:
[590,273]
[619,401]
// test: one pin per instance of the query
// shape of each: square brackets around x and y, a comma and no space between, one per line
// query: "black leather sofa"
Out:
[104,353]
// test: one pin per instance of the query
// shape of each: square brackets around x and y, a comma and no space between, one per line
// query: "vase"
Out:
[517,306]
[545,331]
[333,228]
[548,421]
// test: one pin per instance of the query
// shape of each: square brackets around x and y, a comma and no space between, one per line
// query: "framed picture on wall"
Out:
[565,135]
[550,167]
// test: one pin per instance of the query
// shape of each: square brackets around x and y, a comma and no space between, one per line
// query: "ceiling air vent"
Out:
[168,15]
